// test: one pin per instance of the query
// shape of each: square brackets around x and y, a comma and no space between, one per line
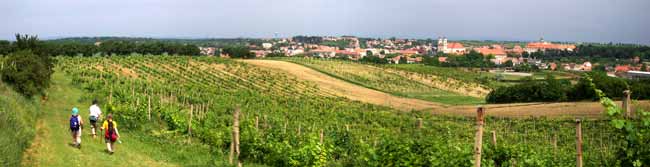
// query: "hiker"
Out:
[95,115]
[75,127]
[111,134]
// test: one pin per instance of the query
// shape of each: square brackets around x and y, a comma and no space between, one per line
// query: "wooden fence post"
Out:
[234,144]
[578,143]
[626,104]
[479,137]
[257,122]
[419,123]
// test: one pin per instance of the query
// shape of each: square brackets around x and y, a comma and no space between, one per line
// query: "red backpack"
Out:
[110,132]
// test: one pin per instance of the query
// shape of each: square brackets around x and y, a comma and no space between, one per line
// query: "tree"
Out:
[29,69]
[5,47]
[508,63]
[27,73]
[368,53]
[238,52]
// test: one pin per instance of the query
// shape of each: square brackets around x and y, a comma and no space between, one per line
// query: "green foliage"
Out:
[550,90]
[29,69]
[526,67]
[611,86]
[276,54]
[635,131]
[471,59]
[238,52]
[373,59]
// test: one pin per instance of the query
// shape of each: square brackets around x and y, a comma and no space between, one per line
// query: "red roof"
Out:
[455,45]
[487,51]
[546,45]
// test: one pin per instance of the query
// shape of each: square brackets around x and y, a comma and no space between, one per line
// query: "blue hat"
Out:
[75,111]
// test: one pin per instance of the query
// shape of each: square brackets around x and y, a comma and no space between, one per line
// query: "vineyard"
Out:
[403,83]
[286,121]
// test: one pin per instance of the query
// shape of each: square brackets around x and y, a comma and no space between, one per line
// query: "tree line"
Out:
[28,66]
[111,47]
[555,90]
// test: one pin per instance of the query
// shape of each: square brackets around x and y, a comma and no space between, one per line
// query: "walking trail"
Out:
[50,146]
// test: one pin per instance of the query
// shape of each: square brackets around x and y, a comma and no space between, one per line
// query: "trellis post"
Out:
[479,137]
[578,143]
[234,144]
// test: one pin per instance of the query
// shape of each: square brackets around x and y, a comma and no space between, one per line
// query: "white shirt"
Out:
[95,111]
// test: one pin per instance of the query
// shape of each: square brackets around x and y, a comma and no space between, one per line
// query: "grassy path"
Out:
[51,144]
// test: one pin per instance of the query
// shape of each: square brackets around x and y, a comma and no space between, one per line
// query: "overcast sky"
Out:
[557,20]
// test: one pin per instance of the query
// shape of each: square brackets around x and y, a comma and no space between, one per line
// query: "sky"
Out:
[618,21]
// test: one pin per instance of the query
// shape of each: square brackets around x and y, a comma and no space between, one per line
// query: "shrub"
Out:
[28,73]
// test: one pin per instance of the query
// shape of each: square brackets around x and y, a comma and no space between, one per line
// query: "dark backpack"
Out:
[74,123]
[110,132]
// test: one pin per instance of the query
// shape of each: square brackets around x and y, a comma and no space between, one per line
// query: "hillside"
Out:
[446,90]
[177,111]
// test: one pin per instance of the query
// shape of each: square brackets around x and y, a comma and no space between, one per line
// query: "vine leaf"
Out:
[618,123]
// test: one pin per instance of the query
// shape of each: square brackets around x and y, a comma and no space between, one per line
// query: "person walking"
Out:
[111,135]
[75,127]
[95,116]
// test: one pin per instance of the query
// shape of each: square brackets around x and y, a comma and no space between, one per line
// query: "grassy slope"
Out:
[17,121]
[50,146]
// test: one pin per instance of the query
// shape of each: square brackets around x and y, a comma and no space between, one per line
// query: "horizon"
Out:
[581,21]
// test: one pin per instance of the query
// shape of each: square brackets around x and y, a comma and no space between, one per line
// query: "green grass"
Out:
[138,148]
[17,121]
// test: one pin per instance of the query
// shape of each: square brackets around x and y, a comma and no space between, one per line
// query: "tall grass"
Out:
[17,125]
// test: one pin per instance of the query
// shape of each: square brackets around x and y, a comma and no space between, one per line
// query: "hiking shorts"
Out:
[93,121]
[75,133]
[108,140]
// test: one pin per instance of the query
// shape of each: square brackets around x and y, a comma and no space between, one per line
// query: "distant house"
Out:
[586,66]
[638,75]
[544,45]
[442,59]
[260,53]
[450,48]
[207,50]
[497,51]
[267,45]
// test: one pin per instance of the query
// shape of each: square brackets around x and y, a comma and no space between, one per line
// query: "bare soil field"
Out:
[359,93]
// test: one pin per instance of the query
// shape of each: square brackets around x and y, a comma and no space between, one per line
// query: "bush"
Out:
[28,73]
[550,90]
[238,52]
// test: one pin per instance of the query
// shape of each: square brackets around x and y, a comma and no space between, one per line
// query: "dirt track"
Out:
[359,93]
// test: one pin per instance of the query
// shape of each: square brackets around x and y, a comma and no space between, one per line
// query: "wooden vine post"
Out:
[626,104]
[321,136]
[419,123]
[234,144]
[189,123]
[149,108]
[578,143]
[479,137]
[494,138]
[257,122]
